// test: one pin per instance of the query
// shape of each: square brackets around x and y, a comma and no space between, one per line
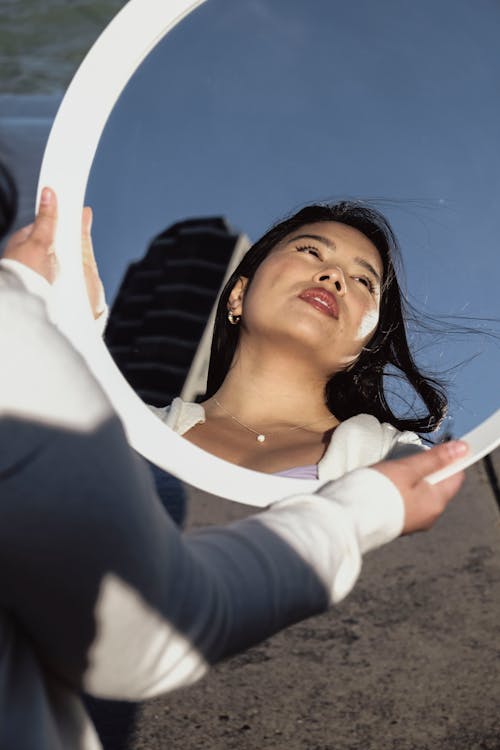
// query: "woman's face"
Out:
[317,293]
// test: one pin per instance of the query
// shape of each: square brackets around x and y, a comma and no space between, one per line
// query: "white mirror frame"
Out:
[66,165]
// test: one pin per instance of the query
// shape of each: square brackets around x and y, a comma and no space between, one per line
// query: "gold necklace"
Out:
[261,437]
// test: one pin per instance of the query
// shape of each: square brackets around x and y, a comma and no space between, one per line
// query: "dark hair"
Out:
[359,389]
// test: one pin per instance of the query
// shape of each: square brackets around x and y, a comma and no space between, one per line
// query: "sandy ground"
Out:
[410,660]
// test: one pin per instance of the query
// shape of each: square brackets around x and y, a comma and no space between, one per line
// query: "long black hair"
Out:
[359,389]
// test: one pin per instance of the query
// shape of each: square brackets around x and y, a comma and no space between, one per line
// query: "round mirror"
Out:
[247,111]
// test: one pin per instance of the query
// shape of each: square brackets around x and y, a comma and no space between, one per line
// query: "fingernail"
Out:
[46,196]
[457,448]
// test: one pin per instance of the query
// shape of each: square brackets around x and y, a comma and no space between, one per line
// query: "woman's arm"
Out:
[113,599]
[93,571]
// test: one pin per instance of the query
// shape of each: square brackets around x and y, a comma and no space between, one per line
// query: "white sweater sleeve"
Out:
[332,530]
[36,284]
[32,281]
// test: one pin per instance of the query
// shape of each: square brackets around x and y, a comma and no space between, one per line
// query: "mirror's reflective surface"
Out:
[249,111]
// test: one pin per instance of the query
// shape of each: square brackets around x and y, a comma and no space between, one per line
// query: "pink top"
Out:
[310,471]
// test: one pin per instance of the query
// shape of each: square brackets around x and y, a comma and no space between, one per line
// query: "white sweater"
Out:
[359,441]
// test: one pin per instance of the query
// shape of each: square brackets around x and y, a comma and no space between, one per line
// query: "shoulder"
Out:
[362,441]
[180,415]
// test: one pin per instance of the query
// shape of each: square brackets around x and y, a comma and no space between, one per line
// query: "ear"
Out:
[235,301]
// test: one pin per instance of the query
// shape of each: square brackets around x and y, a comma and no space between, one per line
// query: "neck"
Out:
[273,388]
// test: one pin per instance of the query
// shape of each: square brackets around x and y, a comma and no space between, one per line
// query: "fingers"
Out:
[449,487]
[93,283]
[44,226]
[25,232]
[424,502]
[421,465]
[427,505]
[87,217]
[34,245]
[87,247]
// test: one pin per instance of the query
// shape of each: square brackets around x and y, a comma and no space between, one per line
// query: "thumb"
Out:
[421,465]
[44,226]
[21,235]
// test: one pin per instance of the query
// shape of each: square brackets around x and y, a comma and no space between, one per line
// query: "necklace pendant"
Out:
[261,438]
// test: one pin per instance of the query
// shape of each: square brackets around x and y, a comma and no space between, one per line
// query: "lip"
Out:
[321,299]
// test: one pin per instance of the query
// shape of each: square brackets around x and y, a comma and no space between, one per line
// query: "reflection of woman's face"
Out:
[318,291]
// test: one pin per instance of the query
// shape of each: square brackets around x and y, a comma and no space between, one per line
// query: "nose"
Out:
[335,276]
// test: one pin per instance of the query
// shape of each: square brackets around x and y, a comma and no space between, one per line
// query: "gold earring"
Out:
[233,319]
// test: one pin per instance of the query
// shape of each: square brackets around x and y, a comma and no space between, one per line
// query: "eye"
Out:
[309,249]
[367,282]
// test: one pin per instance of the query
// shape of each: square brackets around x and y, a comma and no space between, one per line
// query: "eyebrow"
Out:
[332,246]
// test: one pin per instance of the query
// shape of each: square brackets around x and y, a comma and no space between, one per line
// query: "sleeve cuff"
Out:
[31,280]
[333,528]
[373,503]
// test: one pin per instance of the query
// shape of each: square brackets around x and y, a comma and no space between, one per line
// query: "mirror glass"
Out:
[248,111]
